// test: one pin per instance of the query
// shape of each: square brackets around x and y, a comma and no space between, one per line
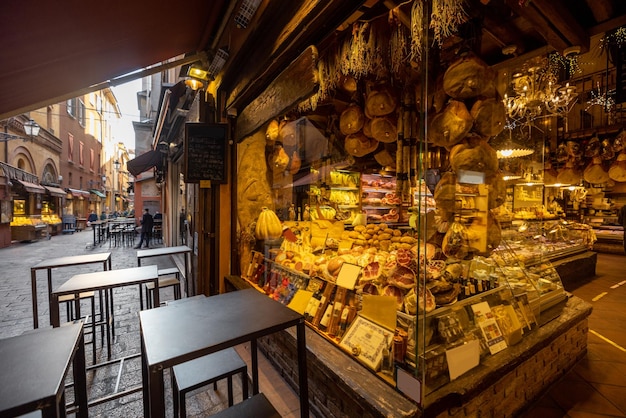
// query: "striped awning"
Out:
[78,193]
[97,193]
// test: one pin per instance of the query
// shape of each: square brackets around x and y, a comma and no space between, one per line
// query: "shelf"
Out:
[379,207]
[378,189]
[343,188]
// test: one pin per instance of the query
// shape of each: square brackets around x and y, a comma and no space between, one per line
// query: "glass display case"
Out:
[28,228]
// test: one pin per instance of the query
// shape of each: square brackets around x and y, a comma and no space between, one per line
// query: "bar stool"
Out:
[171,279]
[202,371]
[257,406]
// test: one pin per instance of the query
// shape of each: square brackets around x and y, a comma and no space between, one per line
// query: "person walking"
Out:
[146,228]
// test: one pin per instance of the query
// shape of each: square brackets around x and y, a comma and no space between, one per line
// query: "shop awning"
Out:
[97,193]
[78,193]
[144,162]
[31,187]
[34,73]
[55,191]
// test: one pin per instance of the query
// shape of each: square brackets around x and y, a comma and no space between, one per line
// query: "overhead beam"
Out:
[297,82]
[602,9]
[283,29]
[556,13]
[546,25]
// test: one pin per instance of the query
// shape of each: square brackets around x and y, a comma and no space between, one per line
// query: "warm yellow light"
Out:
[198,73]
[194,84]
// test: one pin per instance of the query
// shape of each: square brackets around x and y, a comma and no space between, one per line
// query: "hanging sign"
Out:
[205,152]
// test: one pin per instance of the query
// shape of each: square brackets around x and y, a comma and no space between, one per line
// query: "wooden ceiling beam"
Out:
[283,29]
[602,9]
[557,14]
[544,27]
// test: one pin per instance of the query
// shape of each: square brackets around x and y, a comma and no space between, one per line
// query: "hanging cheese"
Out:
[595,173]
[617,172]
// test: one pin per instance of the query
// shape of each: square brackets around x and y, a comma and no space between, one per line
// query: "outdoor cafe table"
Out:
[34,367]
[103,280]
[158,252]
[74,260]
[99,231]
[178,333]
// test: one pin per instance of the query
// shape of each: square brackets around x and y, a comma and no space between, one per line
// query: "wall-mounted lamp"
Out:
[246,12]
[31,129]
[116,164]
[197,72]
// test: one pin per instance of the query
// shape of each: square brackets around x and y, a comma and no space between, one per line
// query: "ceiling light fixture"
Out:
[534,92]
[511,149]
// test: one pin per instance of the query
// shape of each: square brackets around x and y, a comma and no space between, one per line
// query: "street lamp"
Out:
[31,128]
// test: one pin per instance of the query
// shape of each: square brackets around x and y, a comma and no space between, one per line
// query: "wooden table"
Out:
[34,367]
[75,260]
[158,252]
[207,326]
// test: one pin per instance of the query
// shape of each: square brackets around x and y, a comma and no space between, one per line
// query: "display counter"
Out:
[28,228]
[339,385]
[29,232]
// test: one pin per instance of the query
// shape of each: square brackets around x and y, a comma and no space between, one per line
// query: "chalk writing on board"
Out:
[205,152]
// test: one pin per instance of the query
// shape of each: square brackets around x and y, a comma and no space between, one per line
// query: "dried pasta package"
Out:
[456,242]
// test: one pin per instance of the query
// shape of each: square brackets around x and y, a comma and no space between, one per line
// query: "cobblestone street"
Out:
[17,318]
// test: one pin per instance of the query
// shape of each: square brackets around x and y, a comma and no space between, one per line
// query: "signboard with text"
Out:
[206,152]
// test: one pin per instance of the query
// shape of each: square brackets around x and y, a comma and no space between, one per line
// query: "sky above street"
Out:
[126,95]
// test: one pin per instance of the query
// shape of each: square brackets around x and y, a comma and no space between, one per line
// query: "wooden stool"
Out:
[202,371]
[257,406]
[171,281]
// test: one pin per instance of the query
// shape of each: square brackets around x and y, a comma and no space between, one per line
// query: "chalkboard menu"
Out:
[205,152]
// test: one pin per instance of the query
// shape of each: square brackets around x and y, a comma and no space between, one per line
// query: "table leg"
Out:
[145,384]
[188,279]
[255,366]
[157,394]
[54,311]
[156,302]
[50,287]
[303,382]
[33,285]
[107,324]
[80,378]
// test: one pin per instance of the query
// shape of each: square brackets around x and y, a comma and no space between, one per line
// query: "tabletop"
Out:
[155,252]
[217,321]
[34,366]
[106,279]
[72,260]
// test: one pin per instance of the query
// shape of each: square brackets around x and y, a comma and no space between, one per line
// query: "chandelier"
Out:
[535,93]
